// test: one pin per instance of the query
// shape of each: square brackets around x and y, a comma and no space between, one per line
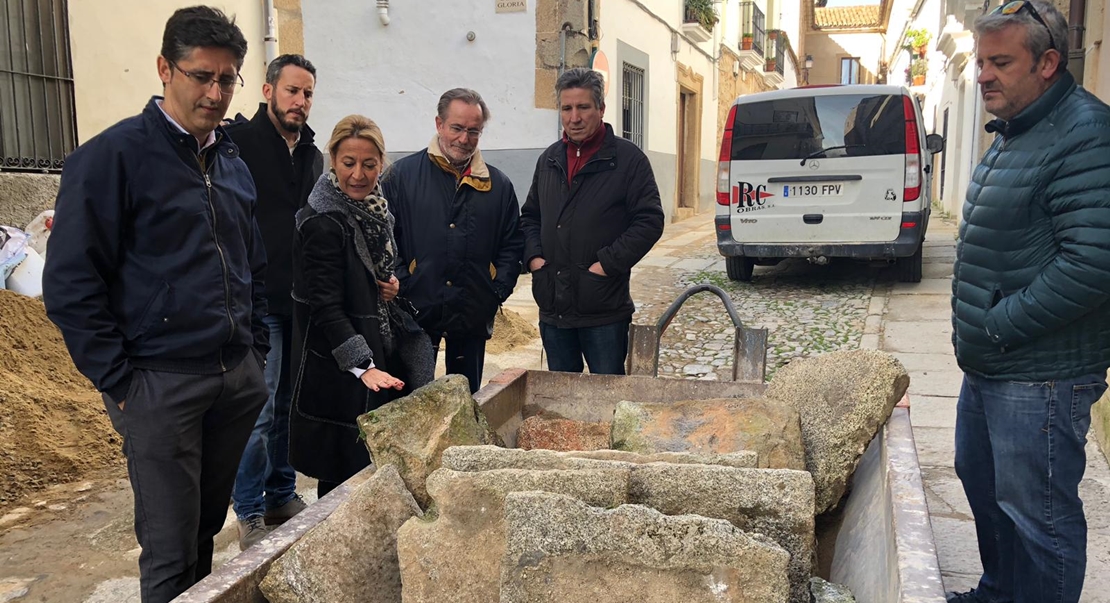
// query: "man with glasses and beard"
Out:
[1031,309]
[154,278]
[278,147]
[458,245]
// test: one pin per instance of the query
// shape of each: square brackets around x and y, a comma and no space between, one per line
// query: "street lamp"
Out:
[808,66]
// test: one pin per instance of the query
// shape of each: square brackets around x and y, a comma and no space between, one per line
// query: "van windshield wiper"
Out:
[827,149]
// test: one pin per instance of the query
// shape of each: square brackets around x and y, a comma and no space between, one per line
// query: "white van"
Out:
[824,172]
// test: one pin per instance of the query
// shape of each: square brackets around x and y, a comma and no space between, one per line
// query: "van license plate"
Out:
[813,190]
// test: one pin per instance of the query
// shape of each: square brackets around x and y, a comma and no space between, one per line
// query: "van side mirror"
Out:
[935,143]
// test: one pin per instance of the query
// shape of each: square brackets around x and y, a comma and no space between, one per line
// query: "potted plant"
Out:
[701,12]
[918,40]
[746,41]
[772,64]
[918,70]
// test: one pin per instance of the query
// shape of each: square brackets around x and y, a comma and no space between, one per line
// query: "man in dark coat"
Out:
[154,277]
[458,236]
[277,146]
[1031,309]
[592,213]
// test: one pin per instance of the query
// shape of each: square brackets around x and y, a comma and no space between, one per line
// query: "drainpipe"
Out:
[566,29]
[1077,15]
[383,11]
[271,41]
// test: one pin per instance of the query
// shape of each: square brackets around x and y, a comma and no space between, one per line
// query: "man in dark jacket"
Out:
[277,146]
[1031,309]
[458,241]
[592,213]
[154,277]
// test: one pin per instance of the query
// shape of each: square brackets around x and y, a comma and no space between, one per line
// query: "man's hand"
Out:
[536,263]
[389,288]
[377,379]
[597,269]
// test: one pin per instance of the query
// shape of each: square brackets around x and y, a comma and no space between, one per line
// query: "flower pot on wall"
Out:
[918,80]
[746,43]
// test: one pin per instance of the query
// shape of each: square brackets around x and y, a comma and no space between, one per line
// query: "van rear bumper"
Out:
[907,243]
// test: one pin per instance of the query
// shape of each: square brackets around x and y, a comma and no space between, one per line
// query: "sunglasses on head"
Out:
[1012,8]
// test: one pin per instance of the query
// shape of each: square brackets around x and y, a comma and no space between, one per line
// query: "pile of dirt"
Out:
[509,331]
[53,426]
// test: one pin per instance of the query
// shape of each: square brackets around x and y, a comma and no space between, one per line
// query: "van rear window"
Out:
[842,126]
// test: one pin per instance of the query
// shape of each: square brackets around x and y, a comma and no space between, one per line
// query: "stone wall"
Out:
[1100,424]
[24,196]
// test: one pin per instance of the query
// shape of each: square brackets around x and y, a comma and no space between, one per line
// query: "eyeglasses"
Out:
[471,133]
[205,79]
[1012,8]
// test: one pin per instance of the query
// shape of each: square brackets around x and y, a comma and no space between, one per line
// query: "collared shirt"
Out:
[211,140]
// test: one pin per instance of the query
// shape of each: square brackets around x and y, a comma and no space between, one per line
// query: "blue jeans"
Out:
[266,480]
[604,347]
[1020,455]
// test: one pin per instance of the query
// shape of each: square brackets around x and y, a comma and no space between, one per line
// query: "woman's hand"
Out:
[377,380]
[390,288]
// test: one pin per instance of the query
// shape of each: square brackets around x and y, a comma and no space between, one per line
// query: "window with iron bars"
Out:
[752,23]
[38,126]
[632,104]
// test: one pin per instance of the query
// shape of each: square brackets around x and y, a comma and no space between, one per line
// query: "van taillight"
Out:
[913,153]
[723,192]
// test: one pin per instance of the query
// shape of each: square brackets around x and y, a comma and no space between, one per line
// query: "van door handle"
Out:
[813,218]
[829,178]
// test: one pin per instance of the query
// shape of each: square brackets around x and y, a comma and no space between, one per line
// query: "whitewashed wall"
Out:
[395,74]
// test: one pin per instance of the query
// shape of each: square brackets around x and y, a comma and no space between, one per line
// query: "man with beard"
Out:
[277,145]
[154,278]
[1031,309]
[458,245]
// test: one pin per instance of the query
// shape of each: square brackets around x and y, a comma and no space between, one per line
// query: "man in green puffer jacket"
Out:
[1031,309]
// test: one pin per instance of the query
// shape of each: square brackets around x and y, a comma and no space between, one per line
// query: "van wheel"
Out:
[909,269]
[739,268]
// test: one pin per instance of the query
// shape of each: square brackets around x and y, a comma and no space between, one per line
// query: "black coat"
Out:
[156,262]
[335,328]
[458,248]
[283,183]
[611,213]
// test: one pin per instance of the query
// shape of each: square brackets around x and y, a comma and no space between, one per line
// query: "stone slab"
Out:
[844,398]
[487,458]
[924,307]
[556,433]
[775,502]
[945,383]
[934,286]
[559,550]
[455,555]
[932,411]
[935,446]
[712,426]
[351,557]
[918,337]
[411,433]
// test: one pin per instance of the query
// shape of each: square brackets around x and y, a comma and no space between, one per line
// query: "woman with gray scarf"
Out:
[356,344]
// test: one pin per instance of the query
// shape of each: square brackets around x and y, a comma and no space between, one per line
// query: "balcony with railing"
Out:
[777,46]
[753,36]
[698,19]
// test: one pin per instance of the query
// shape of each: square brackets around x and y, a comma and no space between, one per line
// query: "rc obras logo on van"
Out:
[749,197]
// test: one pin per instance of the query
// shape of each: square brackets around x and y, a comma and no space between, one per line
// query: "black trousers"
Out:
[464,356]
[183,436]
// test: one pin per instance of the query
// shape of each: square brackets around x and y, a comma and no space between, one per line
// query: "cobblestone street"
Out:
[807,309]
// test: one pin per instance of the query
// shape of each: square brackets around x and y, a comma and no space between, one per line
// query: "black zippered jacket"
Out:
[155,260]
[609,213]
[283,182]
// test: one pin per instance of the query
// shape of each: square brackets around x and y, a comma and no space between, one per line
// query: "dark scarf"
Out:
[372,224]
